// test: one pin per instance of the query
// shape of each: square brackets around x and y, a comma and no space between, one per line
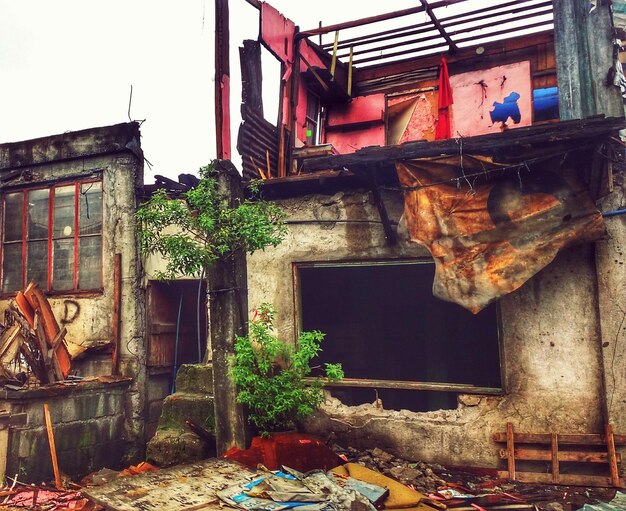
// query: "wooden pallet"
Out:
[556,448]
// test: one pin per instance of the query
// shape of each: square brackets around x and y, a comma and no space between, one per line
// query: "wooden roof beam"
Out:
[437,24]
[373,19]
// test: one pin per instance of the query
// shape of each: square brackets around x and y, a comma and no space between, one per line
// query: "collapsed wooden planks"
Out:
[556,449]
[32,342]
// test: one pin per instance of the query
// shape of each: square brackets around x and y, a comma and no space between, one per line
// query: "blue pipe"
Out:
[180,309]
[614,212]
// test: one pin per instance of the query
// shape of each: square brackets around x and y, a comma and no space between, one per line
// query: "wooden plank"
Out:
[38,301]
[554,451]
[117,321]
[373,19]
[9,347]
[523,454]
[53,450]
[580,131]
[571,439]
[25,308]
[566,479]
[610,444]
[412,385]
[178,488]
[510,450]
[53,370]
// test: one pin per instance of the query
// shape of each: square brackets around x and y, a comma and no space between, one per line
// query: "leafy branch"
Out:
[200,227]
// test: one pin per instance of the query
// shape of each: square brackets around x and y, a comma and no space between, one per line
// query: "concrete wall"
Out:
[551,341]
[112,153]
[88,423]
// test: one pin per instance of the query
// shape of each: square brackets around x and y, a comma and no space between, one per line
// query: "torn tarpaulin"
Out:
[489,232]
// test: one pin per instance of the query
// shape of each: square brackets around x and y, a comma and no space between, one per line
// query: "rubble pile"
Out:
[32,346]
[420,476]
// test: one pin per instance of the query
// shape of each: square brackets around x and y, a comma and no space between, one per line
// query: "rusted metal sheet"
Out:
[179,488]
[489,236]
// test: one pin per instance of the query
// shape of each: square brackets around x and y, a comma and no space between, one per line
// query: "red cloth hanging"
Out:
[442,129]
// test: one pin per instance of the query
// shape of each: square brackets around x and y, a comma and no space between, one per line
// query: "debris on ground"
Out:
[469,490]
[32,346]
[39,497]
[419,476]
[388,482]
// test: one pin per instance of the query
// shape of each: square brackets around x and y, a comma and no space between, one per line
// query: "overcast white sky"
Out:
[67,65]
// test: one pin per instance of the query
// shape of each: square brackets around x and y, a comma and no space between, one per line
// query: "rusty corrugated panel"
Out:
[489,232]
[256,137]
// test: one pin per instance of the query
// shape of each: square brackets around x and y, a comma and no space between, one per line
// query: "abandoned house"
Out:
[452,177]
[487,134]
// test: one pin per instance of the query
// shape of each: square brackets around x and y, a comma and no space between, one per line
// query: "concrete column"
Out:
[228,314]
[611,271]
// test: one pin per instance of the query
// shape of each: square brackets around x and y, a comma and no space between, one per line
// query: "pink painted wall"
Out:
[470,110]
[421,125]
[311,56]
[349,141]
[361,109]
[277,32]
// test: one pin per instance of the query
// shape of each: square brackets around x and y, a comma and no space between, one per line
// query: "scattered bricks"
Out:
[382,455]
[419,475]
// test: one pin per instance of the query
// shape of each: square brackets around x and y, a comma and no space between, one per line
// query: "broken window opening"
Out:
[396,341]
[313,118]
[53,238]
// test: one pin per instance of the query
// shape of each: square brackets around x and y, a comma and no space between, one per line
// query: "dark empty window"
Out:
[53,236]
[388,330]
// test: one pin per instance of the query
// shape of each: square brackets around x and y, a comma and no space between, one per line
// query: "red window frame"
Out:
[50,237]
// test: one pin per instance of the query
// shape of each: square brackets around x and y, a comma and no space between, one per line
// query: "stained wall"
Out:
[551,346]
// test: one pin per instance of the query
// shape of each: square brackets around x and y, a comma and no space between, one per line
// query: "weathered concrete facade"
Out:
[112,156]
[552,352]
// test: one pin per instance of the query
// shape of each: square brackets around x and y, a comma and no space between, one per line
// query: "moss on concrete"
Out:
[195,378]
[173,443]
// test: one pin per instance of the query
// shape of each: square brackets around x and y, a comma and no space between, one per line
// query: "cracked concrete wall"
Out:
[551,341]
[611,270]
[89,317]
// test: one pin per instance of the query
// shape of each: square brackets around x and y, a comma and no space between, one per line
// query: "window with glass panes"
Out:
[53,236]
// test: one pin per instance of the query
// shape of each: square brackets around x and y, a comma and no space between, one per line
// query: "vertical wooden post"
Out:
[610,447]
[53,448]
[117,310]
[554,445]
[584,49]
[227,318]
[222,80]
[510,450]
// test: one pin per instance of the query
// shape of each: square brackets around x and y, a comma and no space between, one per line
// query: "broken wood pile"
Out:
[32,346]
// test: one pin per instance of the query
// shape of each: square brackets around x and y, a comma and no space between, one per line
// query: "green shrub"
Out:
[272,375]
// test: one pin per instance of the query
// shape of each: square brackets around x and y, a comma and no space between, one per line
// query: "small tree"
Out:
[204,227]
[272,375]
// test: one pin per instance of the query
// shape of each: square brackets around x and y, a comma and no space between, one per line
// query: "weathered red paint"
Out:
[225,128]
[421,110]
[349,141]
[277,32]
[312,58]
[361,109]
